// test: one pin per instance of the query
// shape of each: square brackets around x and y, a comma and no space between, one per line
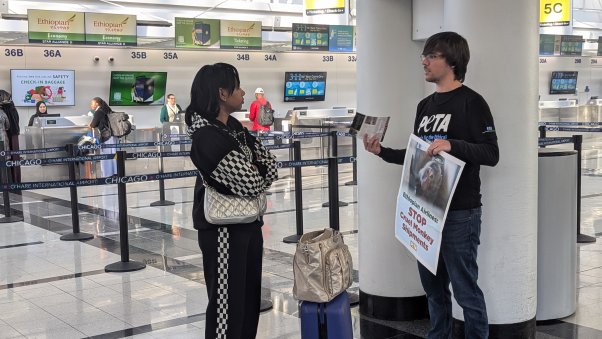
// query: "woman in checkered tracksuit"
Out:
[233,162]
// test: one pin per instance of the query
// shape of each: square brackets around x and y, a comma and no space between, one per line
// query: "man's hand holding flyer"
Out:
[365,124]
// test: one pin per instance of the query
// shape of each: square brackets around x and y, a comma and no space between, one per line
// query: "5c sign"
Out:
[554,13]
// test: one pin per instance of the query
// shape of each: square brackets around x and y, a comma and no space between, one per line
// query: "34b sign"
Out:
[554,13]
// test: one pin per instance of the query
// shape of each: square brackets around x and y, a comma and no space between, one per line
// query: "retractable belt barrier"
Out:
[569,123]
[32,151]
[572,129]
[555,141]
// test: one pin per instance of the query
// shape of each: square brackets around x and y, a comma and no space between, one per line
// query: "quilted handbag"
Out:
[322,266]
[221,209]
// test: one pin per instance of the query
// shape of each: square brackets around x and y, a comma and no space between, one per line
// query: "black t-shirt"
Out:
[462,117]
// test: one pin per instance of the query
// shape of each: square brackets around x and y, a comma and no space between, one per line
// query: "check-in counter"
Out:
[243,117]
[559,110]
[55,132]
[52,132]
[321,120]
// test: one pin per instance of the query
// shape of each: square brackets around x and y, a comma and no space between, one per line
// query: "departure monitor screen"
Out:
[563,83]
[304,86]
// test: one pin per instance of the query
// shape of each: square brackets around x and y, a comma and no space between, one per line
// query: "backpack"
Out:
[119,124]
[265,116]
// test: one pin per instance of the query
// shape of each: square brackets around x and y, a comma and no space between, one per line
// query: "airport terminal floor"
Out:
[58,289]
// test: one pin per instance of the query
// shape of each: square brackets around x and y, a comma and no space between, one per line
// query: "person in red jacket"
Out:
[254,110]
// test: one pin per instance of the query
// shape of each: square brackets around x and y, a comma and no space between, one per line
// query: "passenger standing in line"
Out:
[4,128]
[260,100]
[456,120]
[41,110]
[233,162]
[101,121]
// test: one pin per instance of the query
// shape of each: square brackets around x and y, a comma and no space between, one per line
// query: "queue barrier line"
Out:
[555,141]
[150,177]
[33,151]
[570,123]
[572,129]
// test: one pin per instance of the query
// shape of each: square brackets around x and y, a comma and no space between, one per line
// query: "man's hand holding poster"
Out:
[427,186]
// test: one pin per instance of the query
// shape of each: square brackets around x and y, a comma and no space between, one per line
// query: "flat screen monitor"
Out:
[137,88]
[304,86]
[310,37]
[54,87]
[563,82]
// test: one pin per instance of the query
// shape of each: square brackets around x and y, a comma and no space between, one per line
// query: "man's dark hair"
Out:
[454,49]
[170,95]
[204,93]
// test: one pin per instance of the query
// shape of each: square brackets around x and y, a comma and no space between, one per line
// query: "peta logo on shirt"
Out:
[434,123]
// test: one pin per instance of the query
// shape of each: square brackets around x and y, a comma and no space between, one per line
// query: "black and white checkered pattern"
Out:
[223,247]
[266,158]
[237,173]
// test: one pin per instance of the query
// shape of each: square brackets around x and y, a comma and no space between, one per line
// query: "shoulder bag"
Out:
[222,209]
[322,266]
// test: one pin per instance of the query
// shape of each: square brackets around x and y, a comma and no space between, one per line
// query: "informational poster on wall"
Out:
[197,33]
[137,88]
[310,37]
[111,29]
[240,34]
[54,87]
[56,27]
[341,38]
[427,186]
[317,7]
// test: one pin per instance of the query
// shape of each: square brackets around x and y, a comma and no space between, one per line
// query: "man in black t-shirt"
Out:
[457,120]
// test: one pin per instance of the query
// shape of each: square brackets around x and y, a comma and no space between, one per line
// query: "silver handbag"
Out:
[221,209]
[322,266]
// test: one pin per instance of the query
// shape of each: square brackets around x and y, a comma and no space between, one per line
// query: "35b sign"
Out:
[554,12]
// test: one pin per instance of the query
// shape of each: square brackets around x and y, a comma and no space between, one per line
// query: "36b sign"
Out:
[554,13]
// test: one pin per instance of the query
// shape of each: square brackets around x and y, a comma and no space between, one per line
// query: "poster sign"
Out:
[427,186]
[54,87]
[55,27]
[554,13]
[197,33]
[341,38]
[137,88]
[111,29]
[317,7]
[240,34]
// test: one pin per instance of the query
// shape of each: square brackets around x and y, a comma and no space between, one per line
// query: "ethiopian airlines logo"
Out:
[112,27]
[57,25]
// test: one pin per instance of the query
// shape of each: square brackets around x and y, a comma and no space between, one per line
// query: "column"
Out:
[503,38]
[389,83]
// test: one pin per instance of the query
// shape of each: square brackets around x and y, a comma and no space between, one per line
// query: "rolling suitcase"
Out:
[331,320]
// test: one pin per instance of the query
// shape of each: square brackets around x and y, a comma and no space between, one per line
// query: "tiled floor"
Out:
[56,289]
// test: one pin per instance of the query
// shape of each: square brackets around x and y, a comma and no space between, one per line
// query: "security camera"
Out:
[111,59]
[96,59]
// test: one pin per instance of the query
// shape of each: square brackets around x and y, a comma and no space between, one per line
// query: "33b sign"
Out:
[554,13]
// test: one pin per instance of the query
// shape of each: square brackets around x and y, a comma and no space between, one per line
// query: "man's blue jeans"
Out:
[458,264]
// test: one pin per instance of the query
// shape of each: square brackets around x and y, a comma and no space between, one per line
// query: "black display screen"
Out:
[563,83]
[304,86]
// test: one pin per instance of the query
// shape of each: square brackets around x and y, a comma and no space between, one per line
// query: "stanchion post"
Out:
[76,235]
[8,217]
[333,174]
[578,146]
[125,265]
[542,132]
[162,201]
[353,181]
[293,239]
[333,183]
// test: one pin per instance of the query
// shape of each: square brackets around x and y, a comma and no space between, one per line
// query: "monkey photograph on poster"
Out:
[429,180]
